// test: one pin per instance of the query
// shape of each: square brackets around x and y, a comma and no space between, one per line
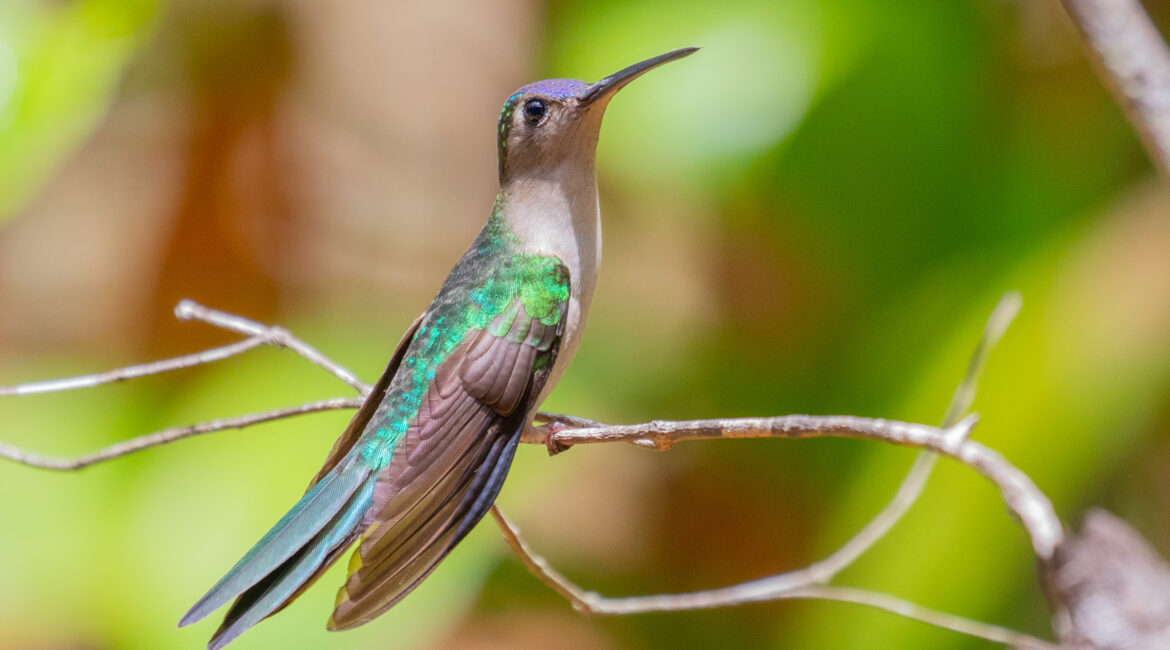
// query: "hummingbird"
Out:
[425,456]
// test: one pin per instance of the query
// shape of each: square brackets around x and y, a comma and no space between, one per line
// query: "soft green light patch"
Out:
[60,64]
[746,90]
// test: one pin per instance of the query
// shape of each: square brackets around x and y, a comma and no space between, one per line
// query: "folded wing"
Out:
[449,469]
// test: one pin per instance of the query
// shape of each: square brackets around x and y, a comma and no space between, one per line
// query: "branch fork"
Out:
[561,432]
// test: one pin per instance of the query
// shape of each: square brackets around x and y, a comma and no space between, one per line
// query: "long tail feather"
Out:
[302,567]
[423,553]
[301,524]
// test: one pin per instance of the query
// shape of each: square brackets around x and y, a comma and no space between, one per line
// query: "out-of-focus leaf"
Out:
[758,71]
[60,63]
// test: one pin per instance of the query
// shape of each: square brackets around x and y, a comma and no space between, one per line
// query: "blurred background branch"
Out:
[1134,62]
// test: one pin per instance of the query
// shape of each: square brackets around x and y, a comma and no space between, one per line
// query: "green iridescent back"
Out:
[488,280]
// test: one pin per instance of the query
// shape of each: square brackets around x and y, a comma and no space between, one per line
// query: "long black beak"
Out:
[618,80]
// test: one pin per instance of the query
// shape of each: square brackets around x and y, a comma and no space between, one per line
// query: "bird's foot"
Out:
[544,434]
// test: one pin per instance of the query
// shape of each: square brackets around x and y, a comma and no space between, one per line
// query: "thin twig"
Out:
[825,570]
[914,483]
[997,324]
[165,436]
[922,614]
[258,334]
[1133,60]
[588,602]
[1029,504]
[133,372]
[272,335]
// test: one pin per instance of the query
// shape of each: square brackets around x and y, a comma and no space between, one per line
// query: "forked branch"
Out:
[1022,496]
[1031,506]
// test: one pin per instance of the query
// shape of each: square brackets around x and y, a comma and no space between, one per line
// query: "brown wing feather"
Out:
[418,528]
[455,455]
[405,565]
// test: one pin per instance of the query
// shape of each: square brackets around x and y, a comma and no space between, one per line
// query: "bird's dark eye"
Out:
[534,110]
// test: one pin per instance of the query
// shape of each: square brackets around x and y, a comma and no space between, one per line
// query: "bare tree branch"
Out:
[916,612]
[1030,505]
[566,431]
[1025,500]
[33,459]
[272,335]
[810,581]
[908,492]
[588,602]
[1134,63]
[133,372]
[258,334]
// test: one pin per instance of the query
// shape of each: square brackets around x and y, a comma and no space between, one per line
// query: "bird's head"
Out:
[548,123]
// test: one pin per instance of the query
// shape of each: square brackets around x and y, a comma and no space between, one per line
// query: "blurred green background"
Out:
[813,214]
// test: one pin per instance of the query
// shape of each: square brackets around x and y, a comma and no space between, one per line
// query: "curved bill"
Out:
[616,81]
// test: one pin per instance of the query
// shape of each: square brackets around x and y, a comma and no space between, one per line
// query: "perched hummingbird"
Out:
[425,456]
